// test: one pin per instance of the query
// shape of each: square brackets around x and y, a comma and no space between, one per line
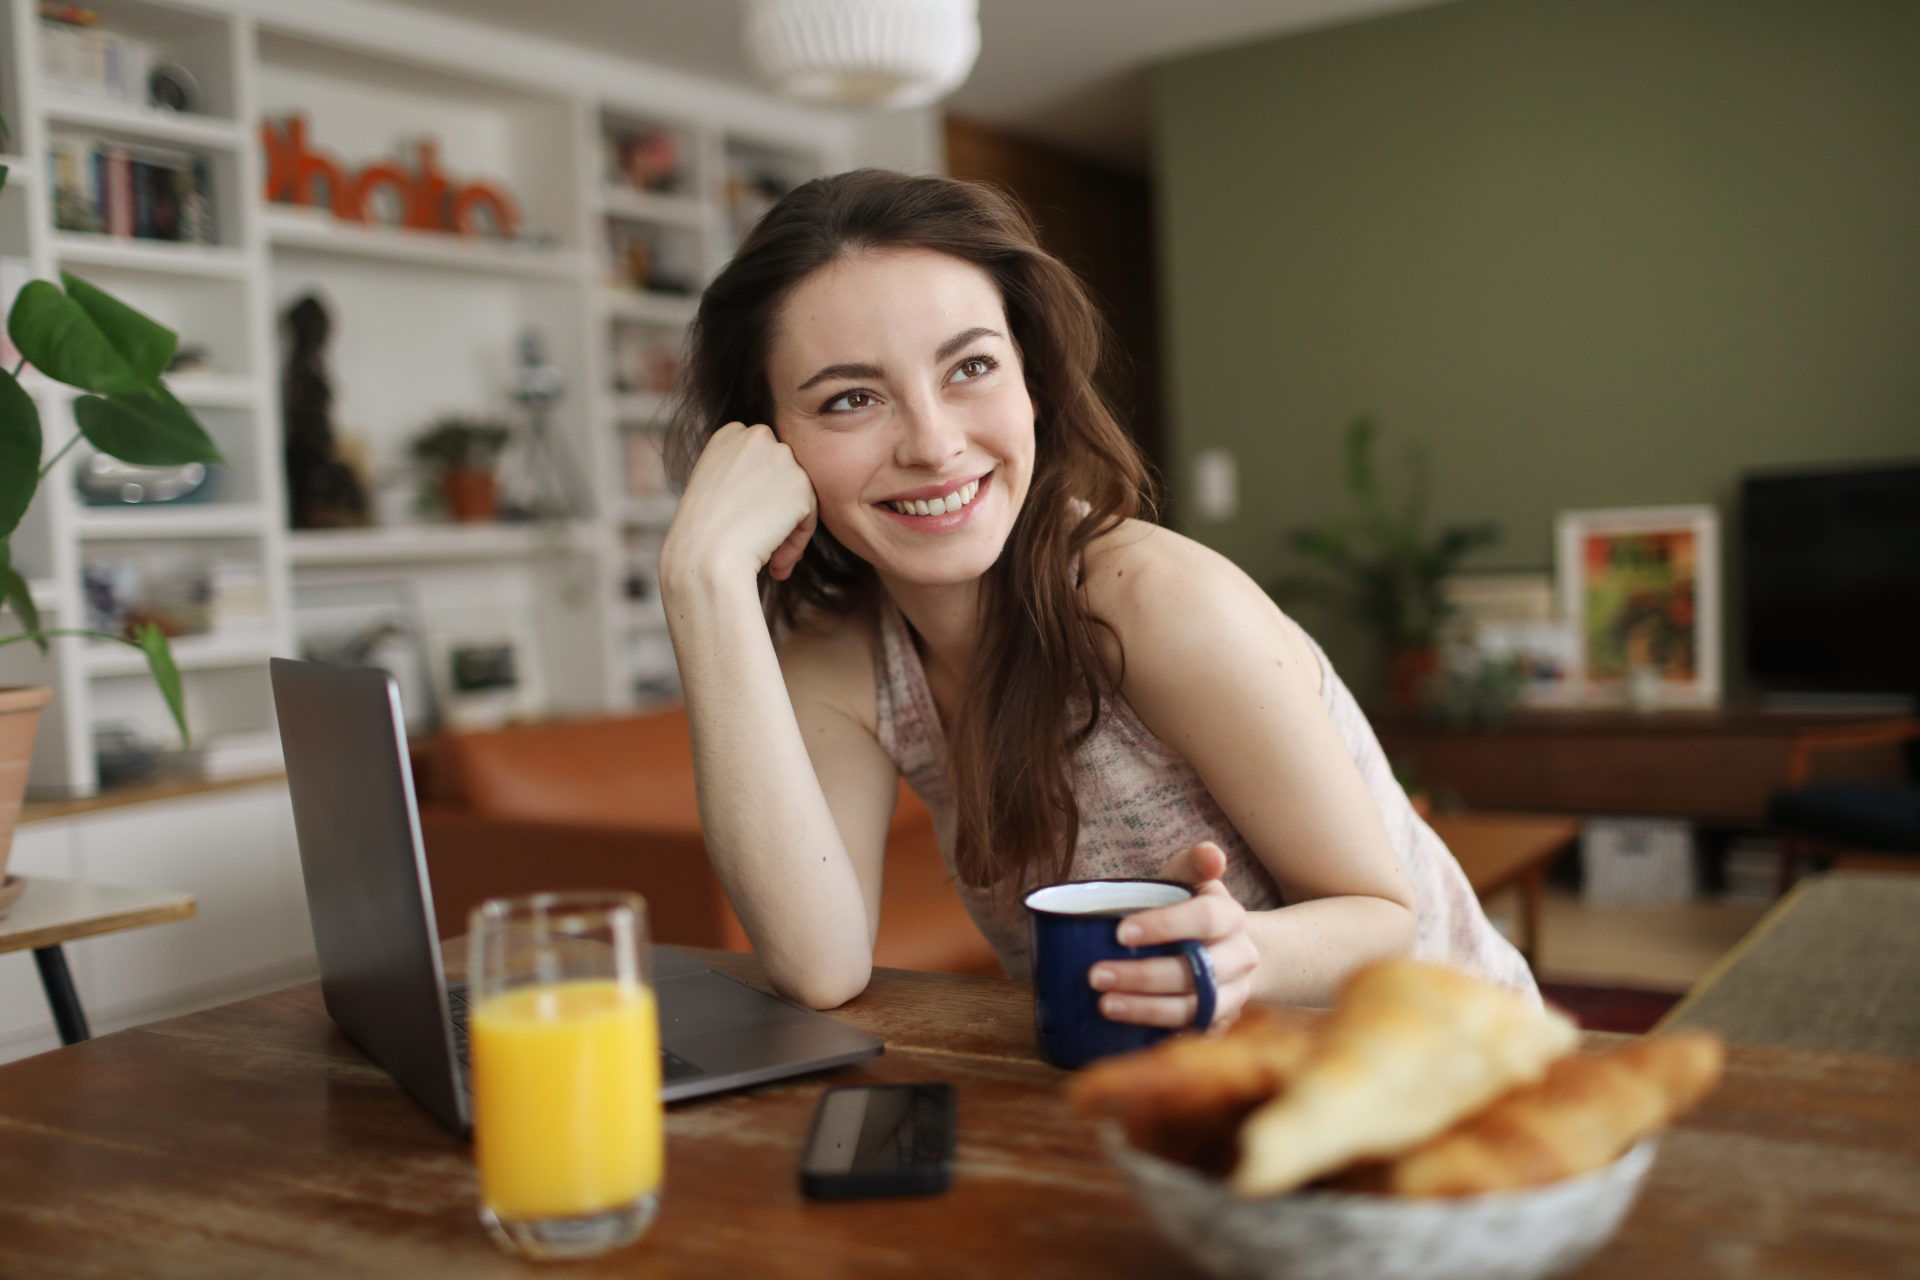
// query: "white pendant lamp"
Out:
[886,54]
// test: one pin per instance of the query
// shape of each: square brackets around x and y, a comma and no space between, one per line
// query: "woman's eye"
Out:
[848,401]
[976,367]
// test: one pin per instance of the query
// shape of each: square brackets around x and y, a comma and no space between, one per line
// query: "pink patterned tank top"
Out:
[1141,803]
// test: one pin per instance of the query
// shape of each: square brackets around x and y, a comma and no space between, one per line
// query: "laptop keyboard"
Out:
[672,1065]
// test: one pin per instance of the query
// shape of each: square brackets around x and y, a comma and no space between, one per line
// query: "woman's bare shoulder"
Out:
[1162,589]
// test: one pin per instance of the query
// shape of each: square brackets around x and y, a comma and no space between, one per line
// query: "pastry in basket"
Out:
[1584,1114]
[1183,1100]
[1410,1049]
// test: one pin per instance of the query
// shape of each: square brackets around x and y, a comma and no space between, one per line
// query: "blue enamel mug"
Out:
[1074,927]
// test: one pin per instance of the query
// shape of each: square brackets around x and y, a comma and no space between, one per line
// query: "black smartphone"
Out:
[879,1140]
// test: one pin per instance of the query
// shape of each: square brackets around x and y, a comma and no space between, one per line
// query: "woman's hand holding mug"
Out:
[1160,992]
[747,501]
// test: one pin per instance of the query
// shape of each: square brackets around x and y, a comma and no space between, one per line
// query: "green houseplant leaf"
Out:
[153,642]
[19,452]
[147,427]
[16,594]
[87,338]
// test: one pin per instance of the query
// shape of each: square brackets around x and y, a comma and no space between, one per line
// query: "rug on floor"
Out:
[1597,1008]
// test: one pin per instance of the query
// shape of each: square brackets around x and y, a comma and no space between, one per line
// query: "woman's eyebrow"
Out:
[951,347]
[837,372]
[848,372]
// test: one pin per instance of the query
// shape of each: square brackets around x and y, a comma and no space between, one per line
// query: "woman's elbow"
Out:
[819,989]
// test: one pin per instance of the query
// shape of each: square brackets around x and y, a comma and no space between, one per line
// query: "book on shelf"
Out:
[137,191]
[93,62]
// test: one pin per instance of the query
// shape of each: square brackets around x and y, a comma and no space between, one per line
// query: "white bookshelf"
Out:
[424,324]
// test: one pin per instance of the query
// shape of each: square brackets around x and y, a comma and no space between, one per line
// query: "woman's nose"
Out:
[929,435]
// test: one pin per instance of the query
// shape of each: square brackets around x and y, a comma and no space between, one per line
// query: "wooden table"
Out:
[52,912]
[254,1140]
[1834,964]
[1505,850]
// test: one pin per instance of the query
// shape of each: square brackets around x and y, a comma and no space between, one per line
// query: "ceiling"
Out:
[1069,72]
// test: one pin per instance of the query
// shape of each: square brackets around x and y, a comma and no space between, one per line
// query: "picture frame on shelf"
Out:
[1502,616]
[486,669]
[370,624]
[1640,586]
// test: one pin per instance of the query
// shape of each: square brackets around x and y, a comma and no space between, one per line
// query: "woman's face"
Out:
[896,384]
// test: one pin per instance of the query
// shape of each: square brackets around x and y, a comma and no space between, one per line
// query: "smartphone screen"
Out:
[879,1140]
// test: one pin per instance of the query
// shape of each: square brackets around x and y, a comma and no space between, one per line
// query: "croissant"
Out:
[1584,1113]
[1183,1100]
[1409,1050]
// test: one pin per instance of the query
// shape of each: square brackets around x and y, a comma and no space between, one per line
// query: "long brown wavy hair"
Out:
[1011,742]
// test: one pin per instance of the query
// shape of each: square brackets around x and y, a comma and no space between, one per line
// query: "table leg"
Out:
[64,1000]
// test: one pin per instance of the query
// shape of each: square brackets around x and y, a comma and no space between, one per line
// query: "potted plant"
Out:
[1381,562]
[82,336]
[463,452]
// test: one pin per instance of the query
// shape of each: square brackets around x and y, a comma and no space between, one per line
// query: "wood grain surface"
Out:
[53,911]
[254,1140]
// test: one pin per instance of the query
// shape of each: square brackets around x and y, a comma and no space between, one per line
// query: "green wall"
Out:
[1589,252]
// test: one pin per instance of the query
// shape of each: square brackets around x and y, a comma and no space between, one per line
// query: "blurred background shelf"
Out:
[415,543]
[190,653]
[84,249]
[306,234]
[187,520]
[185,129]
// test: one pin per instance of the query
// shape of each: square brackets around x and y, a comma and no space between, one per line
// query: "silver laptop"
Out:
[366,873]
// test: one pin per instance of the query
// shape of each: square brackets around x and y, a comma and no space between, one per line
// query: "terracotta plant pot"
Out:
[19,718]
[1410,671]
[472,495]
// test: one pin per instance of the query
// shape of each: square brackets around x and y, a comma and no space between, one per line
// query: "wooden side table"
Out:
[1499,850]
[52,912]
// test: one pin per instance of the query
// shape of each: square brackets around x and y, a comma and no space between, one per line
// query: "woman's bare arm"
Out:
[807,894]
[1221,676]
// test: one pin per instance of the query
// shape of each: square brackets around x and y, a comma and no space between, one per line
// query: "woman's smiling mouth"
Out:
[940,512]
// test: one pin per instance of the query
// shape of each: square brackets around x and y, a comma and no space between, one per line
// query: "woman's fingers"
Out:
[1204,861]
[1209,915]
[1175,1011]
[1233,960]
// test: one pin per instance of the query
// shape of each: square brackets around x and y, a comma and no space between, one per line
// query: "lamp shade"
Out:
[869,53]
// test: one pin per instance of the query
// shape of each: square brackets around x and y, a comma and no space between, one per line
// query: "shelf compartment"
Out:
[145,123]
[190,653]
[304,234]
[404,544]
[643,408]
[186,520]
[124,252]
[669,309]
[652,510]
[645,206]
[213,390]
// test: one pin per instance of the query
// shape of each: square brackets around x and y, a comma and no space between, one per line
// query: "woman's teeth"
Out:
[938,506]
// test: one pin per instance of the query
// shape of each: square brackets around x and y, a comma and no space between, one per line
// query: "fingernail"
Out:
[1102,979]
[1129,934]
[1113,1005]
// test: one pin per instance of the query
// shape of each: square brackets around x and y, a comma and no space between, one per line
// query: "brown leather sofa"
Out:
[609,803]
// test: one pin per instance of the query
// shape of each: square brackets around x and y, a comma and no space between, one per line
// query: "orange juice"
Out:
[566,1095]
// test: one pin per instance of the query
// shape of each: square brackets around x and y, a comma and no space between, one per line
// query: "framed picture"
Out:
[369,624]
[1511,616]
[1641,588]
[486,668]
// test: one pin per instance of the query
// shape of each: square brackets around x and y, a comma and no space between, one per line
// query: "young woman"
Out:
[912,549]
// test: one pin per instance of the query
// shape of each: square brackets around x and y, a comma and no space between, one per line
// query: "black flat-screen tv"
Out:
[1832,578]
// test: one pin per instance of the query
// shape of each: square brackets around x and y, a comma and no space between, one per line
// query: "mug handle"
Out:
[1200,960]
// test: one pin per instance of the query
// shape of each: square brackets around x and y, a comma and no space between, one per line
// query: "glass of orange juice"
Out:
[565,1068]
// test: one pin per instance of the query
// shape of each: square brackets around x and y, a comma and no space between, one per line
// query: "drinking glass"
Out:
[565,1062]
